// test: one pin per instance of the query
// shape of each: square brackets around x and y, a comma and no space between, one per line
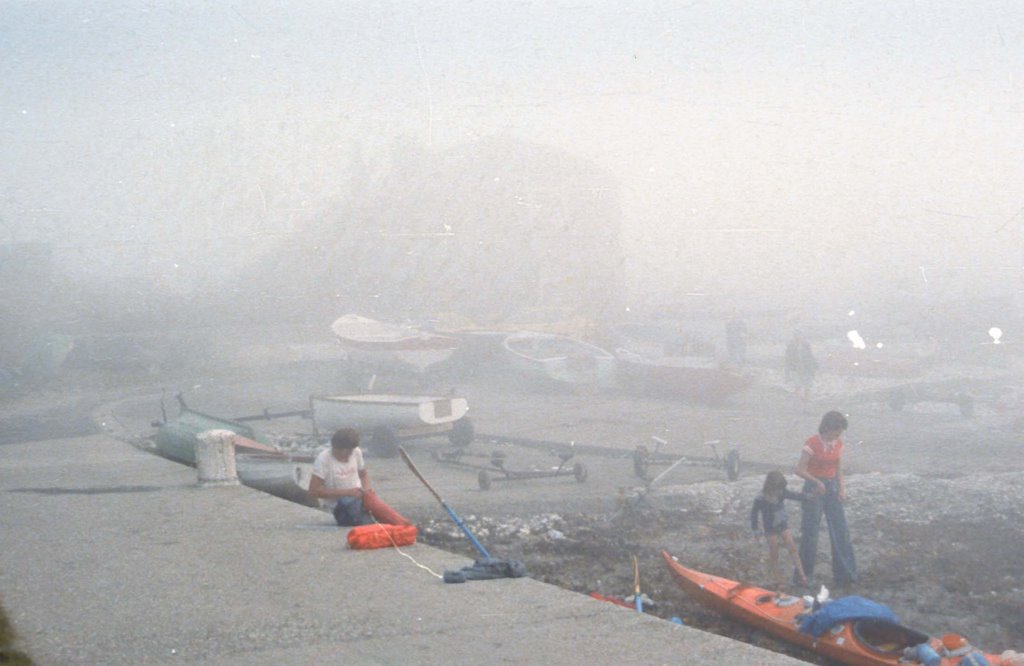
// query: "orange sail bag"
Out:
[365,537]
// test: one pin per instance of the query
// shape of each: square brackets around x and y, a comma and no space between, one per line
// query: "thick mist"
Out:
[616,235]
[814,156]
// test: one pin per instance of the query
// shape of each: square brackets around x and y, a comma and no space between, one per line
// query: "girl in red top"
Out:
[821,468]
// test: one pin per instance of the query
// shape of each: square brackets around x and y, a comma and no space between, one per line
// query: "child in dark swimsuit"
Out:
[770,505]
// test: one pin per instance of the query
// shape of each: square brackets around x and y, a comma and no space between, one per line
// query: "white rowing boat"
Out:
[387,418]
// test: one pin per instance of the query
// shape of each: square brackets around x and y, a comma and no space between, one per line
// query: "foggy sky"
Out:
[787,150]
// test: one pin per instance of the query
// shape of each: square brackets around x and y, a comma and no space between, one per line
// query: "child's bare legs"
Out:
[787,536]
[773,560]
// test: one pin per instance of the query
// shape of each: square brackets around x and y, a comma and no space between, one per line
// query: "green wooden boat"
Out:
[259,464]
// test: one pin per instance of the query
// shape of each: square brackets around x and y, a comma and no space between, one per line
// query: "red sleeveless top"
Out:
[824,461]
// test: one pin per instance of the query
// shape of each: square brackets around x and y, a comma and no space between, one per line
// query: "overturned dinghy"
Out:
[259,464]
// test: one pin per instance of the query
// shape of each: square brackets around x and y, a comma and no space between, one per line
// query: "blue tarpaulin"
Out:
[841,610]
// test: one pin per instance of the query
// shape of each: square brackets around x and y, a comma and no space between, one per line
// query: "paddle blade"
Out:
[412,466]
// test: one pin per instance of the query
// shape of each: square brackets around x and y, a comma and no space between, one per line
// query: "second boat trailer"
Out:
[643,458]
[495,469]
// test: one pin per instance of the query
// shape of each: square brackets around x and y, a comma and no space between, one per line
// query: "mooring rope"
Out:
[404,554]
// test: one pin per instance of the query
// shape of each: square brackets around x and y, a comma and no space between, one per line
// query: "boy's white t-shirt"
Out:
[339,475]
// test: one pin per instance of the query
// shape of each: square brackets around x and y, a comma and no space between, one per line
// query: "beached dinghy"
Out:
[869,641]
[259,465]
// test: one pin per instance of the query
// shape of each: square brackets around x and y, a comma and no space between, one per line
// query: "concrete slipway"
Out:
[109,555]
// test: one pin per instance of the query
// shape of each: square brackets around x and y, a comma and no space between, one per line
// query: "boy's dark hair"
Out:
[345,439]
[832,421]
[775,482]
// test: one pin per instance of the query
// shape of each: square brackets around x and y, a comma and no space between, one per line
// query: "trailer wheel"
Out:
[484,479]
[732,464]
[462,432]
[384,442]
[580,472]
[966,404]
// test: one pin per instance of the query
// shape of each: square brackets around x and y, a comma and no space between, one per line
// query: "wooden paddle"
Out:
[636,586]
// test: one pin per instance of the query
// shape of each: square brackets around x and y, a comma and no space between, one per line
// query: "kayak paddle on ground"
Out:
[486,569]
[454,516]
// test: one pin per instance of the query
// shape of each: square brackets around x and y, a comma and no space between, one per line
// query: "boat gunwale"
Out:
[411,401]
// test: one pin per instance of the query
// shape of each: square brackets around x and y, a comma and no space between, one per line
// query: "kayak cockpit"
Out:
[886,637]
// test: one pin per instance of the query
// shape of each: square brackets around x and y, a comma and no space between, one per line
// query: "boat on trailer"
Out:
[388,418]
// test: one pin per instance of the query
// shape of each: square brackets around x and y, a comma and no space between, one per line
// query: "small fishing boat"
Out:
[388,418]
[690,377]
[867,641]
[391,346]
[561,359]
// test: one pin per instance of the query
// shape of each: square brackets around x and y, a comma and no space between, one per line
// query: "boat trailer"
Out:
[643,458]
[495,469]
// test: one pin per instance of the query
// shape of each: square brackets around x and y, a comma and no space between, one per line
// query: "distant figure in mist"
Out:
[801,366]
[736,341]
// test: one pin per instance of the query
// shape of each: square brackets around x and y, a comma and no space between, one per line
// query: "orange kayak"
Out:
[854,642]
[613,600]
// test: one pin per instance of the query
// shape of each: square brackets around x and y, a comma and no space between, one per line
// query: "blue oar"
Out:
[458,521]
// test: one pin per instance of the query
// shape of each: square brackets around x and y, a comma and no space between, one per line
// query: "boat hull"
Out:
[760,608]
[389,346]
[560,359]
[411,360]
[177,439]
[258,465]
[370,411]
[286,477]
